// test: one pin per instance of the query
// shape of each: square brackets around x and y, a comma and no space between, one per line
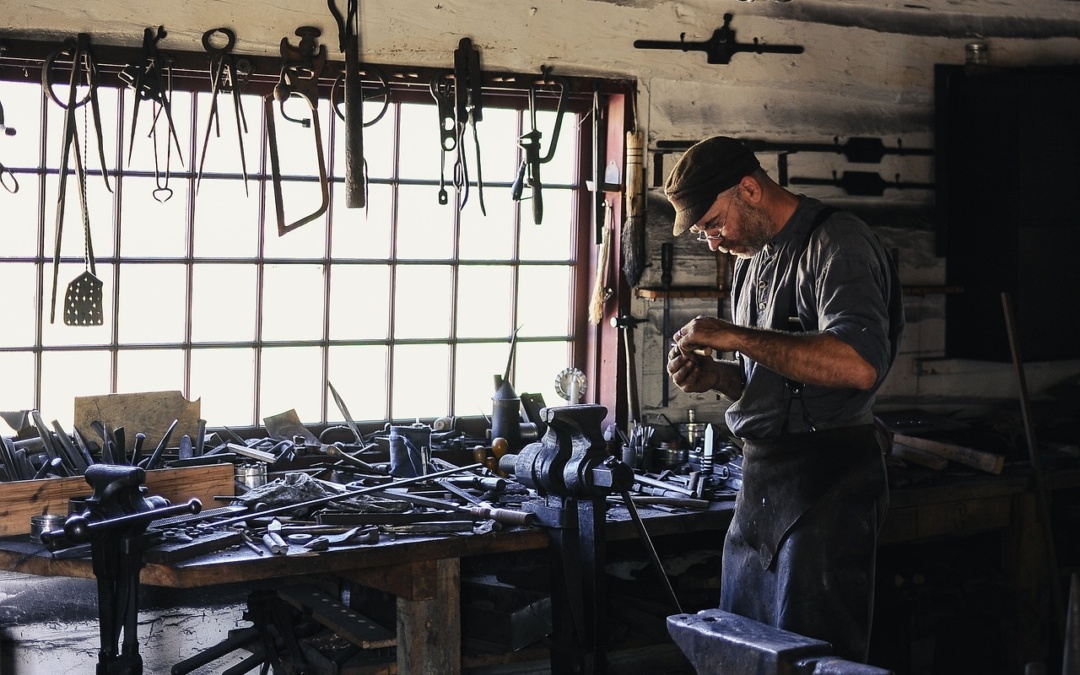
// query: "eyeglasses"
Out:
[703,233]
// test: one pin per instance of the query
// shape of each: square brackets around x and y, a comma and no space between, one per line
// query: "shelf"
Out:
[684,292]
[681,292]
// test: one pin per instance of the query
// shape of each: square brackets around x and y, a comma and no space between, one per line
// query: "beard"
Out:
[756,230]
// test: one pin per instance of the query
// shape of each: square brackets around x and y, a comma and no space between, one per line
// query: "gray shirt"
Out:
[835,278]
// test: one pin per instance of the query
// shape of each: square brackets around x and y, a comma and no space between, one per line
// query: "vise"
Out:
[572,474]
[716,641]
[116,516]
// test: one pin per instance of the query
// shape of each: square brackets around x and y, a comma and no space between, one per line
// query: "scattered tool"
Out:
[721,46]
[300,71]
[83,300]
[529,142]
[349,44]
[227,73]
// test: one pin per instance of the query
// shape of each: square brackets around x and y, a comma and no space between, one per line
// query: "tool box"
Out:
[21,499]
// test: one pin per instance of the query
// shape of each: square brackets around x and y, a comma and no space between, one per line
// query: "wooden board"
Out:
[21,499]
[920,457]
[977,459]
[149,413]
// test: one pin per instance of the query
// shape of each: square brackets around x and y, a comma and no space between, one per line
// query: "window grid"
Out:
[188,346]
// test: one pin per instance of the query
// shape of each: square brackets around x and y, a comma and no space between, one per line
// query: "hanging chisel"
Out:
[666,255]
[349,43]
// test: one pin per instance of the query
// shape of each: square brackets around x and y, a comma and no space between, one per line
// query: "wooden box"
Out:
[21,499]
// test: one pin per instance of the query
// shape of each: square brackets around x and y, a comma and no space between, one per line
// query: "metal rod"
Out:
[1042,503]
[344,495]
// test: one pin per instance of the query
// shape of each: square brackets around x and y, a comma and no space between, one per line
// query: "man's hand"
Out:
[693,373]
[706,333]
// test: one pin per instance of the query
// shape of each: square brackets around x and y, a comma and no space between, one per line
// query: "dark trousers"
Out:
[801,550]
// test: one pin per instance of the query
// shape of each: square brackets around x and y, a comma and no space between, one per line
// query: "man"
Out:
[817,317]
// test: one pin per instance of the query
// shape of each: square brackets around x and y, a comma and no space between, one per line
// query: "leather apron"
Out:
[800,551]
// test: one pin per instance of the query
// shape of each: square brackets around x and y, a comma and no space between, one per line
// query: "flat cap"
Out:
[704,171]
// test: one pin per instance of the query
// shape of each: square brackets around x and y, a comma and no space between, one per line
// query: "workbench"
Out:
[422,572]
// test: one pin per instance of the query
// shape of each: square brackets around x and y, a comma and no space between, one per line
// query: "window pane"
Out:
[359,375]
[21,150]
[421,381]
[72,231]
[151,228]
[552,239]
[364,233]
[291,380]
[378,137]
[222,303]
[226,223]
[224,381]
[537,364]
[421,154]
[425,229]
[489,237]
[18,375]
[499,159]
[219,144]
[152,303]
[422,301]
[152,134]
[562,168]
[65,375]
[359,302]
[541,309]
[293,302]
[476,367]
[20,306]
[21,215]
[60,334]
[301,198]
[484,302]
[139,370]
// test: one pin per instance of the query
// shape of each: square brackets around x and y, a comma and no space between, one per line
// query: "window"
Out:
[407,306]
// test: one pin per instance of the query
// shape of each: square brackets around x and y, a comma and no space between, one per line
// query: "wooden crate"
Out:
[21,499]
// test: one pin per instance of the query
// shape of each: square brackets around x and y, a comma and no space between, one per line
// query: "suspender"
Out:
[742,270]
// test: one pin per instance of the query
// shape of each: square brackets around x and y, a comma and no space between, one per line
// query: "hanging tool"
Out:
[300,70]
[721,46]
[349,44]
[626,324]
[666,252]
[7,178]
[468,109]
[601,292]
[227,73]
[84,295]
[458,103]
[151,81]
[859,149]
[529,142]
[862,183]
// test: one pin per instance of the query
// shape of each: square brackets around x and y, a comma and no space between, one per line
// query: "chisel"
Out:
[666,254]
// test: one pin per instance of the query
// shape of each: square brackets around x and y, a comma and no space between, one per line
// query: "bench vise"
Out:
[572,474]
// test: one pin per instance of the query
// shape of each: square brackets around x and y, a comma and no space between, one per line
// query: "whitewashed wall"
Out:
[867,70]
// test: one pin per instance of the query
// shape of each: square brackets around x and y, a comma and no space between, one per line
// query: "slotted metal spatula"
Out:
[82,301]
